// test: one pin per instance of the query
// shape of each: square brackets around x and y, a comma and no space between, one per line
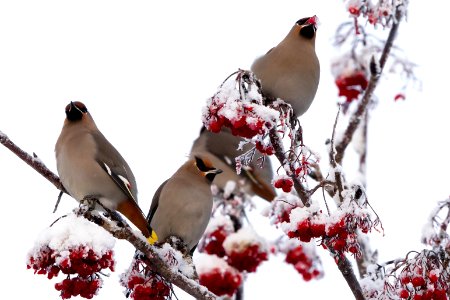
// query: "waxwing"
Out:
[291,70]
[89,166]
[182,205]
[221,149]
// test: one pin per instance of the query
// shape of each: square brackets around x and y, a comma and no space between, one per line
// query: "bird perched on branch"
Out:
[90,167]
[221,149]
[182,205]
[291,70]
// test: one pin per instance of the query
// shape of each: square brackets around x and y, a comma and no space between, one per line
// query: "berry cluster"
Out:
[303,263]
[309,228]
[380,12]
[341,236]
[283,182]
[242,255]
[351,85]
[81,261]
[338,231]
[423,278]
[142,283]
[79,286]
[238,105]
[221,282]
[246,259]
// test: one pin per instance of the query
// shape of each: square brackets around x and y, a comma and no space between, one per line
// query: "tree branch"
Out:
[188,285]
[346,269]
[280,155]
[32,161]
[373,82]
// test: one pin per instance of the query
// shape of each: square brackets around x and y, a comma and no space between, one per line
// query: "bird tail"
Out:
[133,213]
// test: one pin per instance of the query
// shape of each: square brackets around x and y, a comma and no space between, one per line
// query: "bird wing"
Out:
[115,166]
[155,202]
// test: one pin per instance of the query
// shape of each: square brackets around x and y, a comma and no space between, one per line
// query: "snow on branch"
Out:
[188,285]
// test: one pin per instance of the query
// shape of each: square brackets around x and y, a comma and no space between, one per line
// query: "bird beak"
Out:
[216,171]
[313,21]
[213,172]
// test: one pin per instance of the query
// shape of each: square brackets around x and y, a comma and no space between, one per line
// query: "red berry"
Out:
[317,229]
[405,280]
[221,282]
[304,230]
[433,277]
[399,96]
[353,10]
[339,245]
[278,183]
[404,294]
[418,281]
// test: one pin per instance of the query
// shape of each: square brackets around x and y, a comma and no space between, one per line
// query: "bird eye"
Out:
[202,165]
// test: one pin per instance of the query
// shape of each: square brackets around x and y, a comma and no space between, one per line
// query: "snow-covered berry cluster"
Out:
[243,250]
[233,252]
[217,275]
[420,276]
[238,105]
[303,258]
[375,12]
[142,283]
[337,231]
[76,248]
[215,234]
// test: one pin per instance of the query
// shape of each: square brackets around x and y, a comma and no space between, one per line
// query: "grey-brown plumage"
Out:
[291,70]
[88,165]
[182,205]
[221,149]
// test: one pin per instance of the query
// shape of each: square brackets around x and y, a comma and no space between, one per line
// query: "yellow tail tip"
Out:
[153,238]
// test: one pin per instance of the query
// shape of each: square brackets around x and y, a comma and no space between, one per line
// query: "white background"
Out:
[144,69]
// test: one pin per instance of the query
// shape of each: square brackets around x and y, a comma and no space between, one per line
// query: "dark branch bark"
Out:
[367,97]
[188,285]
[281,156]
[346,269]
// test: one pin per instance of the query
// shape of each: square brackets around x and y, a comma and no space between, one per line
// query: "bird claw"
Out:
[89,201]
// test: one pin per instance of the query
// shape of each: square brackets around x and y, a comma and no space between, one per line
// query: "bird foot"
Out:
[178,244]
[89,201]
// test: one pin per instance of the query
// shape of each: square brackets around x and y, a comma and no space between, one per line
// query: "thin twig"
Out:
[337,173]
